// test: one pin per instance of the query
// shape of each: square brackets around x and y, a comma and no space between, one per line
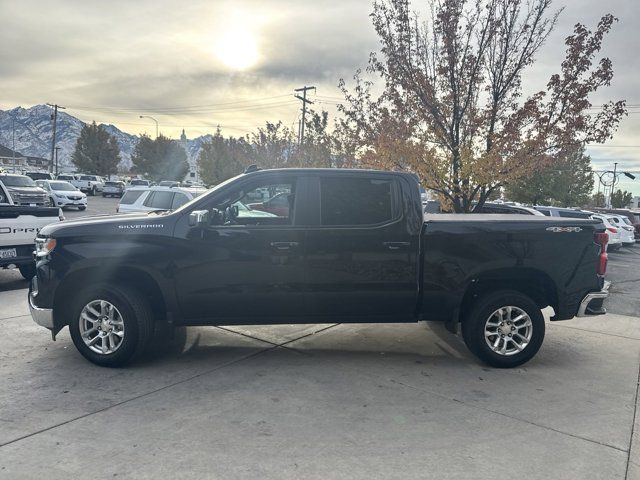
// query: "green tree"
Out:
[620,199]
[222,158]
[159,159]
[598,200]
[567,181]
[96,151]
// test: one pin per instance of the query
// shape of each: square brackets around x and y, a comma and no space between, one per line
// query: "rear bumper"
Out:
[591,304]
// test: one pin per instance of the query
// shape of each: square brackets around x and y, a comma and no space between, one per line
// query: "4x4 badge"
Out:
[564,229]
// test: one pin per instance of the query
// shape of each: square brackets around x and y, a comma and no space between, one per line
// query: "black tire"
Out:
[28,270]
[104,195]
[82,208]
[51,202]
[136,315]
[474,322]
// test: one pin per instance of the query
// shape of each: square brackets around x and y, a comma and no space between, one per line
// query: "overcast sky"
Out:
[198,64]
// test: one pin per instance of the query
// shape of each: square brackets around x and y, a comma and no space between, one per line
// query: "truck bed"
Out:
[547,254]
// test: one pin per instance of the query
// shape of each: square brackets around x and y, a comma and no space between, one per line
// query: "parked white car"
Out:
[63,194]
[615,238]
[150,199]
[626,228]
[89,184]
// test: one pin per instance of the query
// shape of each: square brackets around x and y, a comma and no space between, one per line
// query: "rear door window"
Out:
[355,201]
[131,196]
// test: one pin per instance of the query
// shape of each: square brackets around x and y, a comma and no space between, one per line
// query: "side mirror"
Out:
[198,218]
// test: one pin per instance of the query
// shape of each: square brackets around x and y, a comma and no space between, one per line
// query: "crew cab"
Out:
[19,226]
[89,184]
[348,246]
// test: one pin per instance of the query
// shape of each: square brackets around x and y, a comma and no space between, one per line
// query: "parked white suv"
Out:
[150,199]
[625,227]
[615,238]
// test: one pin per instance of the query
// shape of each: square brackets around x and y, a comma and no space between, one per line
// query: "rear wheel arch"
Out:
[535,284]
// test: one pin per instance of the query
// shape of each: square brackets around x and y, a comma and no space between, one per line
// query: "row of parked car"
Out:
[623,226]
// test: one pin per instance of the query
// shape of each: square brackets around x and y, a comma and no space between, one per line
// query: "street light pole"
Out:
[147,116]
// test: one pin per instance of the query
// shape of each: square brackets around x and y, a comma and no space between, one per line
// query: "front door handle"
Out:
[284,245]
[396,245]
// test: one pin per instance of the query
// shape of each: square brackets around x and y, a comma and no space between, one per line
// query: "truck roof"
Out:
[510,217]
[333,171]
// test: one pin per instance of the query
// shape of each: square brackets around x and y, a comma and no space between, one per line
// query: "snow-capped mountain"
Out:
[33,135]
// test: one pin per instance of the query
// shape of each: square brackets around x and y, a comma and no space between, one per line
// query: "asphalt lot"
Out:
[324,401]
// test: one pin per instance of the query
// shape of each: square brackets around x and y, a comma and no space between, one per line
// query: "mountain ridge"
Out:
[33,131]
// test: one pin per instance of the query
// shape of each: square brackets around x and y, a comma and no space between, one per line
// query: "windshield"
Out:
[17,181]
[139,182]
[62,186]
[202,196]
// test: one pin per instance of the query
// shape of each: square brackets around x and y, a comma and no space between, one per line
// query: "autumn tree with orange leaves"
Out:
[452,108]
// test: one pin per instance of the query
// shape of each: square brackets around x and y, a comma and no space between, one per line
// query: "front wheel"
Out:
[110,326]
[504,329]
[81,208]
[51,202]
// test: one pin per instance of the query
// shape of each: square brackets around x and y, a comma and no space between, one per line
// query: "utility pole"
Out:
[13,146]
[304,110]
[54,117]
[57,148]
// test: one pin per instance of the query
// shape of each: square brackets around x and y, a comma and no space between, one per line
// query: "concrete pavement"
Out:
[320,401]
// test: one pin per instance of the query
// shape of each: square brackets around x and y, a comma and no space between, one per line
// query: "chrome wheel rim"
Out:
[101,327]
[508,330]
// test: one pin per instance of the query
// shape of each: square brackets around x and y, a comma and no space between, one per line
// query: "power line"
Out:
[184,107]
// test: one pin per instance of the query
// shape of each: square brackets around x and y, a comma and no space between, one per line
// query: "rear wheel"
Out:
[504,328]
[110,326]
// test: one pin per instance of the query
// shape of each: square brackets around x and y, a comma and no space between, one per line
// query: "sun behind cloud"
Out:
[237,47]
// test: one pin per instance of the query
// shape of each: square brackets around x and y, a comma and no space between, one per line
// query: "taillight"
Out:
[601,239]
[612,230]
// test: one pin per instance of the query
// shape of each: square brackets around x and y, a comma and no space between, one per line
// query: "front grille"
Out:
[29,198]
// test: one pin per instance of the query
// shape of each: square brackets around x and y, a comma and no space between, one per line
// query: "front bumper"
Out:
[42,316]
[591,304]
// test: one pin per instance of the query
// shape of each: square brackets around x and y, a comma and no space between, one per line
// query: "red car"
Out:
[278,205]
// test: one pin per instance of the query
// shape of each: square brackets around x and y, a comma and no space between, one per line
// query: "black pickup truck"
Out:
[315,246]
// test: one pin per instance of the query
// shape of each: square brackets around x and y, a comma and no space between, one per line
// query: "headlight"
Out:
[60,196]
[44,246]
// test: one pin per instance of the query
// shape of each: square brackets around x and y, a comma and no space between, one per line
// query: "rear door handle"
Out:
[284,245]
[396,245]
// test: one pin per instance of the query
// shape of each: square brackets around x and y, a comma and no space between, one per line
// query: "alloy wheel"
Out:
[508,330]
[101,327]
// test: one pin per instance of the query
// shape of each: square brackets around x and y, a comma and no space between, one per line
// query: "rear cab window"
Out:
[354,201]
